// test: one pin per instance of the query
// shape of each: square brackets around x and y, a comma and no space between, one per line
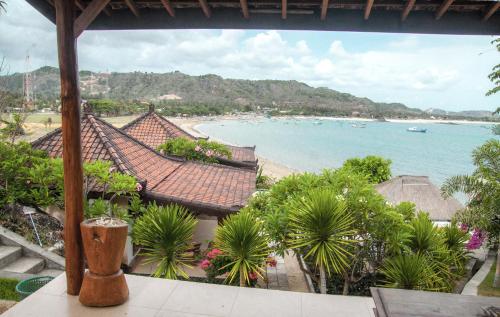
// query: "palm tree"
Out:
[483,189]
[166,232]
[3,4]
[241,239]
[321,225]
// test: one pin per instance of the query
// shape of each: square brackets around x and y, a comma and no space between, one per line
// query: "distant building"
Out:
[423,193]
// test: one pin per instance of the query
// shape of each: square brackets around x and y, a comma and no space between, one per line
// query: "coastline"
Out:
[271,168]
[193,121]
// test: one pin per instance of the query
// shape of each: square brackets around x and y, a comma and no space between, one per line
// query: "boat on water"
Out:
[317,123]
[416,129]
[358,125]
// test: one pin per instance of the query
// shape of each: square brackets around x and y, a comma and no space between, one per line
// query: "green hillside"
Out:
[212,91]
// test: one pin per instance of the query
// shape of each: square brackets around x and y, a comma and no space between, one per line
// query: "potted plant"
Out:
[104,233]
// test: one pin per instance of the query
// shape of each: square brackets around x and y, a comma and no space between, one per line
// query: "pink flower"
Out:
[205,264]
[271,262]
[209,153]
[476,240]
[212,254]
[464,227]
[253,276]
[138,187]
[197,148]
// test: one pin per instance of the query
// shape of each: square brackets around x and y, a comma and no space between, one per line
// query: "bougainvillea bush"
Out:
[199,150]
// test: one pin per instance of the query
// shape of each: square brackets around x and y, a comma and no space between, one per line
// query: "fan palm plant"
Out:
[241,238]
[321,225]
[2,5]
[413,271]
[165,232]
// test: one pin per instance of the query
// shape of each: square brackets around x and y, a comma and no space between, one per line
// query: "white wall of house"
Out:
[205,230]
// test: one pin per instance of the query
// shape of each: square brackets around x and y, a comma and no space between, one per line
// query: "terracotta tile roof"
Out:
[205,188]
[154,130]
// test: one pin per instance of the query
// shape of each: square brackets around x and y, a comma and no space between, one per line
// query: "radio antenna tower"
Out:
[27,85]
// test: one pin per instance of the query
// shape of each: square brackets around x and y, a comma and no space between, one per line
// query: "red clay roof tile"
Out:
[203,186]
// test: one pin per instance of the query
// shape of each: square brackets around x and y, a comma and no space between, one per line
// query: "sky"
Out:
[423,71]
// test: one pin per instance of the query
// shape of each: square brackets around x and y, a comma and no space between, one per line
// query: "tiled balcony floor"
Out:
[159,297]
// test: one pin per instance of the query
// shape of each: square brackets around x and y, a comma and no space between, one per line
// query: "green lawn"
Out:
[486,288]
[42,117]
[8,289]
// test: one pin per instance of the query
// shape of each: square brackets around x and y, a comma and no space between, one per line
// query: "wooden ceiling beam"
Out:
[406,11]
[284,5]
[368,8]
[491,11]
[443,8]
[88,15]
[82,7]
[244,8]
[168,7]
[324,9]
[131,5]
[206,9]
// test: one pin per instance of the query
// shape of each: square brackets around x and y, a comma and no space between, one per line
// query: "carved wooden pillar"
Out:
[72,157]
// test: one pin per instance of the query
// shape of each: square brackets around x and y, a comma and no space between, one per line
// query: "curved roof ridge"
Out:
[110,146]
[174,158]
[175,126]
[131,123]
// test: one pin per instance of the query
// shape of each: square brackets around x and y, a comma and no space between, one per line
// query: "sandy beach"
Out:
[270,168]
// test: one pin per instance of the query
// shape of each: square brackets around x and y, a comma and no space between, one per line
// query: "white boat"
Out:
[359,125]
[416,129]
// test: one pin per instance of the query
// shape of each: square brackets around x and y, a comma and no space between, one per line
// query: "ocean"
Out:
[313,144]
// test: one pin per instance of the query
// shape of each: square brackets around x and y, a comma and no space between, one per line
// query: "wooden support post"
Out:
[283,9]
[72,152]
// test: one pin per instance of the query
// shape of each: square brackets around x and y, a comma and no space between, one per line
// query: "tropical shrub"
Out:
[320,225]
[165,233]
[199,150]
[242,240]
[17,165]
[14,128]
[482,187]
[431,259]
[375,168]
[412,271]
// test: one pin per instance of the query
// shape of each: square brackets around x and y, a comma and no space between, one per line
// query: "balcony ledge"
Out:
[160,297]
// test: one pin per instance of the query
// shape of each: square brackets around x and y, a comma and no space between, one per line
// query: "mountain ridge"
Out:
[286,96]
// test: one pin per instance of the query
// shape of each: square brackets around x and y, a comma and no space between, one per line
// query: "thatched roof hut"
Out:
[420,191]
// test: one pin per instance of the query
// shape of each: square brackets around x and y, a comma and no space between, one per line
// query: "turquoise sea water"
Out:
[306,145]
